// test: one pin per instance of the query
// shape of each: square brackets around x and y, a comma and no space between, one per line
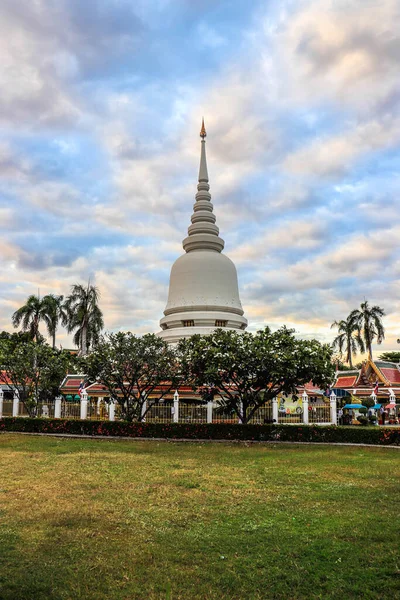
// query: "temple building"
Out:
[203,288]
[380,379]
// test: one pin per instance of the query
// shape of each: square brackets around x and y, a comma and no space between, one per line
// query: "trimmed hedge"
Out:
[215,431]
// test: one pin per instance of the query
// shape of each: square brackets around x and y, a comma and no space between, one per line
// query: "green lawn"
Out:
[148,520]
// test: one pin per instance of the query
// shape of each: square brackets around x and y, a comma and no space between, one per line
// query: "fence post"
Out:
[57,407]
[175,416]
[111,411]
[333,408]
[210,404]
[275,409]
[305,407]
[15,409]
[240,410]
[143,409]
[84,404]
[1,402]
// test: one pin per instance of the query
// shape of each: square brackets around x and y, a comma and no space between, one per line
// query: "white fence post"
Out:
[333,408]
[111,410]
[1,402]
[57,407]
[275,417]
[84,404]
[175,415]
[305,407]
[210,405]
[240,410]
[15,409]
[143,409]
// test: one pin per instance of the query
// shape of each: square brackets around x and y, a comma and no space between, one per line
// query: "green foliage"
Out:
[368,320]
[348,340]
[390,356]
[53,313]
[208,431]
[35,370]
[132,367]
[246,370]
[83,316]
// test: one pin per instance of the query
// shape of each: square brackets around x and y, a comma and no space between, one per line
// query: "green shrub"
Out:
[207,431]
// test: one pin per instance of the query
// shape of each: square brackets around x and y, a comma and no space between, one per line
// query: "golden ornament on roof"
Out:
[203,132]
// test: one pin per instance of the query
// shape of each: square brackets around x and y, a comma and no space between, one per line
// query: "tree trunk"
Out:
[84,341]
[350,360]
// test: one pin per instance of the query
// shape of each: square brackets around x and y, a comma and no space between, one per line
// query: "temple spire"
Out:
[203,173]
[203,234]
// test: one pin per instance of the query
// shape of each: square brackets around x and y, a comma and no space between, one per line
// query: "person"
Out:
[383,414]
[340,416]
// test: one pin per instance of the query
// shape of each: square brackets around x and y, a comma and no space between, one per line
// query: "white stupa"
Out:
[203,287]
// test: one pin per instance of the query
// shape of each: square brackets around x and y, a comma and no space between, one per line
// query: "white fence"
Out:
[169,412]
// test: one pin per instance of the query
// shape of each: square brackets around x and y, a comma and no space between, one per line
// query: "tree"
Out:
[247,370]
[52,313]
[390,357]
[83,315]
[349,339]
[34,370]
[30,315]
[368,319]
[133,368]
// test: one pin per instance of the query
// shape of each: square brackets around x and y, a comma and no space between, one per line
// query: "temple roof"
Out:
[362,381]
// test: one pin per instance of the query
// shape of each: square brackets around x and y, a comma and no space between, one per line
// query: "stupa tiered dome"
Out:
[203,287]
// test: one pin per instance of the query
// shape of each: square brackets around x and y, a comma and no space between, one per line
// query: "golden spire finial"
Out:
[203,132]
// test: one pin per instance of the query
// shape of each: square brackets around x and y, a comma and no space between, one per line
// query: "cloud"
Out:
[346,52]
[336,155]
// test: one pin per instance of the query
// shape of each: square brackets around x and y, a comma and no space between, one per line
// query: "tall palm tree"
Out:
[83,315]
[348,339]
[53,313]
[368,319]
[30,315]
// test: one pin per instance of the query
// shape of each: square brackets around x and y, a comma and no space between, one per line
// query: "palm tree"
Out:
[349,339]
[83,315]
[368,319]
[53,313]
[30,315]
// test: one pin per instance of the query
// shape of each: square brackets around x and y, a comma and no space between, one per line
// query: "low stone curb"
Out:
[112,438]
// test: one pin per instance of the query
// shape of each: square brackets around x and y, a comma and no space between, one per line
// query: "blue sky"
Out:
[100,113]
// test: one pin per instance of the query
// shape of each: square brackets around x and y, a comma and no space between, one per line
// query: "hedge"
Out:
[214,431]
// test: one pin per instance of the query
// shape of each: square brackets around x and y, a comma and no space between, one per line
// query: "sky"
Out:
[100,110]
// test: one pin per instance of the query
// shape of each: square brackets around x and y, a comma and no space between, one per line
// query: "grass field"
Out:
[85,519]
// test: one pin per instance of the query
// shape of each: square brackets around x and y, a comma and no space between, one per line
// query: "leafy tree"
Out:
[247,370]
[29,316]
[390,356]
[33,369]
[348,340]
[133,368]
[83,315]
[17,337]
[368,319]
[52,313]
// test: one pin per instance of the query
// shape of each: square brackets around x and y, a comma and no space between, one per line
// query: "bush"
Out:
[205,431]
[363,420]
